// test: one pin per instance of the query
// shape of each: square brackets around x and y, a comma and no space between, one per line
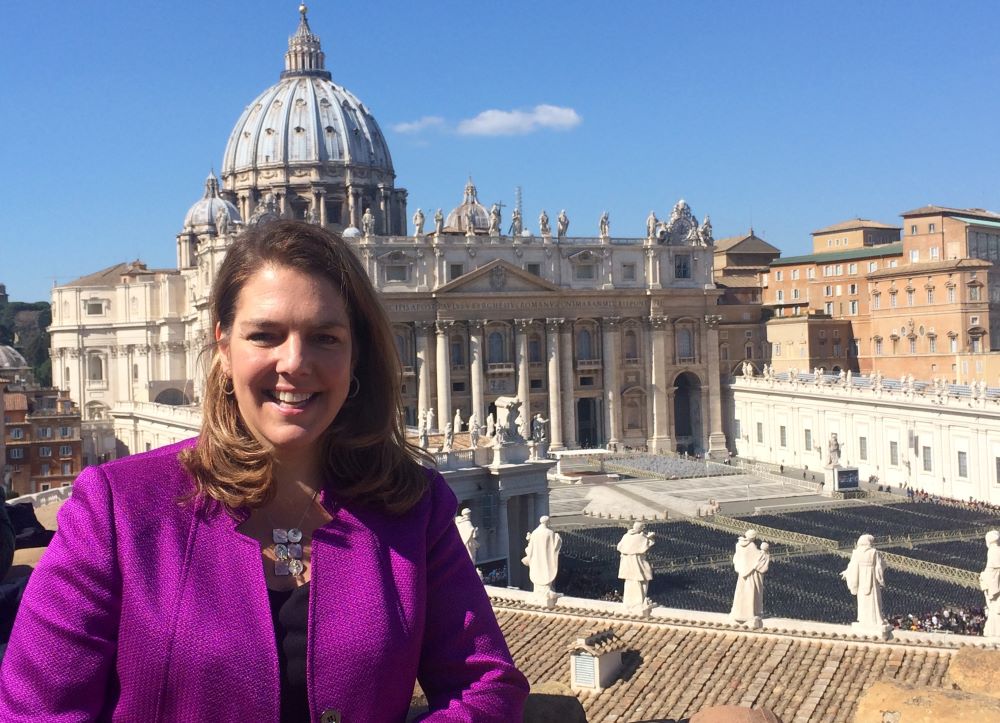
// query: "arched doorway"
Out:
[687,414]
[587,423]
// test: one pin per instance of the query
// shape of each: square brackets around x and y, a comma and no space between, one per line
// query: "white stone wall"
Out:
[944,444]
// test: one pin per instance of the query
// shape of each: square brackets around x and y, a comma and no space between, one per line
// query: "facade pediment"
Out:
[497,276]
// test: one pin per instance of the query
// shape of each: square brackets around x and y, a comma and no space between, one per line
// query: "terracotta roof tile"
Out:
[674,670]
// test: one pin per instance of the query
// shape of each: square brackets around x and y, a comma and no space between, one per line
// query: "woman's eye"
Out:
[260,337]
[328,339]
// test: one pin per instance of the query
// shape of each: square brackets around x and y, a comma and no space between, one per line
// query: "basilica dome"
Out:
[458,219]
[205,213]
[305,119]
[11,359]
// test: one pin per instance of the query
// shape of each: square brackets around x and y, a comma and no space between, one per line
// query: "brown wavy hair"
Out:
[367,456]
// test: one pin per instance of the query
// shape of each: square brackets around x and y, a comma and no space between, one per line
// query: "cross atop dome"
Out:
[304,56]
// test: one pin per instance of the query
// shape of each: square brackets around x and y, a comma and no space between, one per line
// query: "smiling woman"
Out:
[293,563]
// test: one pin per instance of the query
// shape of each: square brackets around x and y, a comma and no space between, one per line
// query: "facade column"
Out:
[568,385]
[476,367]
[716,437]
[422,331]
[610,331]
[660,440]
[521,328]
[445,411]
[554,384]
[319,205]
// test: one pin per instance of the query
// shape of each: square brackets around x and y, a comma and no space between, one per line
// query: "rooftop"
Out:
[947,211]
[869,252]
[856,223]
[932,267]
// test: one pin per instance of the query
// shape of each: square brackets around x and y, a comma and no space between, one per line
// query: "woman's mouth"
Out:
[285,399]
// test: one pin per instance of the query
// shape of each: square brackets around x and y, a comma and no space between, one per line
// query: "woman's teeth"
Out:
[291,397]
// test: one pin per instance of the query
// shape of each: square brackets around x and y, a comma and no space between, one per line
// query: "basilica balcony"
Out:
[408,371]
[97,384]
[500,368]
[685,360]
[588,364]
[631,361]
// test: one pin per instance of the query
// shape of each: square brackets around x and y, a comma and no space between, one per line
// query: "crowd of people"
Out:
[955,620]
[971,504]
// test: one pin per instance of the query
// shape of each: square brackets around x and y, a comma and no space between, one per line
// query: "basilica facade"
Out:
[615,341]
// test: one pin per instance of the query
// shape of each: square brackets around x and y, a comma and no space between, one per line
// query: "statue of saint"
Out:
[418,224]
[562,224]
[491,425]
[468,532]
[368,222]
[457,421]
[634,569]
[604,225]
[651,223]
[516,226]
[494,229]
[438,222]
[542,556]
[833,451]
[470,222]
[474,430]
[543,224]
[539,427]
[865,578]
[430,419]
[750,564]
[989,582]
[222,221]
[449,437]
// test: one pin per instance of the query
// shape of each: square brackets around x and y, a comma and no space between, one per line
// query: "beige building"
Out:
[856,233]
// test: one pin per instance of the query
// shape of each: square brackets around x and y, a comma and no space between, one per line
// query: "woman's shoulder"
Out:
[147,475]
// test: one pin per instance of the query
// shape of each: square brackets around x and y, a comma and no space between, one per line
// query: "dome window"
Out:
[269,131]
[299,129]
[330,129]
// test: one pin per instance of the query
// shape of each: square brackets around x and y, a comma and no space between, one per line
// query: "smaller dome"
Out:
[351,232]
[10,358]
[458,219]
[204,215]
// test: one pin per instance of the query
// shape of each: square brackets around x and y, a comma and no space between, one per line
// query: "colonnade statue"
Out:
[542,556]
[750,563]
[634,568]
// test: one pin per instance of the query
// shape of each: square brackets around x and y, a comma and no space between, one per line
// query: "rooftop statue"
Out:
[562,224]
[418,224]
[368,222]
[705,234]
[604,225]
[989,582]
[468,532]
[494,229]
[438,222]
[543,224]
[865,578]
[634,568]
[651,223]
[542,556]
[750,563]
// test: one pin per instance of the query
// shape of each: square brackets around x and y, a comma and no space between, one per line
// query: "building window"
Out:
[876,301]
[852,288]
[778,276]
[45,432]
[913,345]
[760,433]
[852,268]
[16,433]
[737,431]
[828,308]
[795,293]
[65,450]
[16,453]
[963,464]
[935,253]
[932,344]
[930,296]
[65,431]
[808,440]
[853,307]
[628,272]
[495,348]
[67,468]
[976,347]
[872,266]
[534,349]
[632,345]
[974,293]
[748,352]
[925,452]
[836,349]
[584,272]
[685,344]
[953,344]
[682,266]
[997,462]
[913,230]
[840,269]
[95,368]
[535,269]
[828,290]
[584,344]
[892,299]
[878,347]
[395,272]
[95,308]
[777,348]
[795,274]
[723,352]
[894,454]
[455,270]
[951,294]
[458,386]
[783,436]
[457,351]
[810,273]
[45,451]
[914,255]
[586,381]
[931,228]
[863,448]
[780,296]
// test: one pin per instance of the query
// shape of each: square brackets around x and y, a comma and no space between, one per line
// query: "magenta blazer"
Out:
[143,610]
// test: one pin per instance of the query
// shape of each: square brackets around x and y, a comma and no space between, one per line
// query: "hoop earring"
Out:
[355,385]
[231,390]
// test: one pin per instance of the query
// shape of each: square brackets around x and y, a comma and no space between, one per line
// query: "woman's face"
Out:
[289,356]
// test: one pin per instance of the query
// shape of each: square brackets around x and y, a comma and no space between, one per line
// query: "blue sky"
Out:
[789,116]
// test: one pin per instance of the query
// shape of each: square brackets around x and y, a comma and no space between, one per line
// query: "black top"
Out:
[290,613]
